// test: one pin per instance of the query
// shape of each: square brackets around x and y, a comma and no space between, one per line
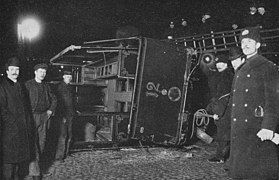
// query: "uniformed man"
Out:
[254,113]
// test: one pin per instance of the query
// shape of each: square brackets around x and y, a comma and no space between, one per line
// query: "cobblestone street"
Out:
[140,163]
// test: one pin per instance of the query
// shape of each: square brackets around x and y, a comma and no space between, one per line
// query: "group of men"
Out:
[26,110]
[247,114]
[247,120]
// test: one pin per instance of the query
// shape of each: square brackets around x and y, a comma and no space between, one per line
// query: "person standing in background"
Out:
[66,112]
[219,106]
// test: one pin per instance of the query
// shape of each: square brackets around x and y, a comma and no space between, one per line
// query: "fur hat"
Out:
[235,52]
[40,66]
[13,61]
[252,33]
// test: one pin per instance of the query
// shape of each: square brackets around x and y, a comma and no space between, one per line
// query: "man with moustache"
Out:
[43,103]
[254,113]
[15,124]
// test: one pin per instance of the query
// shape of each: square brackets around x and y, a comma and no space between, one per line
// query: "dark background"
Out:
[67,22]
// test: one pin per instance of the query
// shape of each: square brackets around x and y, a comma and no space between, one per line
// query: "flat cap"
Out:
[40,66]
[67,73]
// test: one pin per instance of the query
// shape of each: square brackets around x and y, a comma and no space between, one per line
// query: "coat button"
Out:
[234,119]
[248,75]
[245,105]
[246,90]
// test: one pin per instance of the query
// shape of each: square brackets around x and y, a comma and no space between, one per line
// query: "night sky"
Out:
[67,22]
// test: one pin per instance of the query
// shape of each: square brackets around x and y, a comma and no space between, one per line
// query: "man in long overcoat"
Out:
[254,114]
[15,124]
[219,106]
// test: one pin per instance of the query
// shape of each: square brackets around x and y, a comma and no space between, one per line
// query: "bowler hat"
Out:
[40,66]
[235,52]
[221,58]
[251,33]
[13,61]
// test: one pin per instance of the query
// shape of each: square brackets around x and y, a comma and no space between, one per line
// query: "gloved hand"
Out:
[275,139]
[265,134]
[215,117]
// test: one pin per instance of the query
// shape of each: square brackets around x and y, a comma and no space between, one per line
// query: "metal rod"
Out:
[109,40]
[103,51]
[108,48]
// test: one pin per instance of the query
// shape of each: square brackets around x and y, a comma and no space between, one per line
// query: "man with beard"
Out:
[254,113]
[43,103]
[15,124]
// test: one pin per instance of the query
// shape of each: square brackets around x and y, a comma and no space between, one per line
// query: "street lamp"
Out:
[29,28]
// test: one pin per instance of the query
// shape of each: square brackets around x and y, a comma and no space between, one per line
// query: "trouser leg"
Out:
[222,149]
[70,135]
[61,141]
[7,171]
[41,121]
[10,171]
[42,132]
[16,172]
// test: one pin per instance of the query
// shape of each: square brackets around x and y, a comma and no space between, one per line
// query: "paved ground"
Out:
[139,163]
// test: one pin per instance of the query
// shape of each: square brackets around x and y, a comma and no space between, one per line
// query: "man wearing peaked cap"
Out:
[67,73]
[43,104]
[66,113]
[254,113]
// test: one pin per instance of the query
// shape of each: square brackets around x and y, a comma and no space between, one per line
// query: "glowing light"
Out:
[29,28]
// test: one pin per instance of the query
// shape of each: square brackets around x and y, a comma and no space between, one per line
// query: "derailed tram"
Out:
[147,90]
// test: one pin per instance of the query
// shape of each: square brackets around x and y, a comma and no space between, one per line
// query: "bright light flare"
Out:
[28,29]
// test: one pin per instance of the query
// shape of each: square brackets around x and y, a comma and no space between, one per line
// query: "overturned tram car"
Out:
[143,88]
